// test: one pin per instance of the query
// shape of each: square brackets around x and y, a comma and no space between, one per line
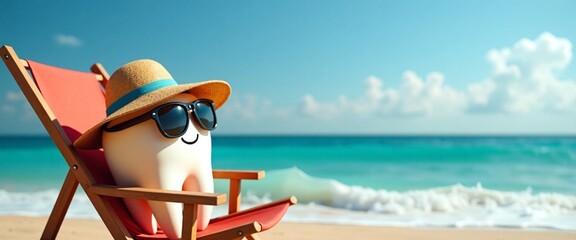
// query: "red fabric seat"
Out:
[267,217]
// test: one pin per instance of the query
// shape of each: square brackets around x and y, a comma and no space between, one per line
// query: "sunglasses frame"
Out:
[153,114]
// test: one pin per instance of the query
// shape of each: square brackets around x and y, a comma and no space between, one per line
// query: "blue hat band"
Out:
[138,92]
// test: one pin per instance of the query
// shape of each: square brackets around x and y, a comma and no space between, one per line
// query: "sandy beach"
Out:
[20,228]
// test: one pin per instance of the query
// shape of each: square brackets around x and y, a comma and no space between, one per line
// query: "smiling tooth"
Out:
[142,156]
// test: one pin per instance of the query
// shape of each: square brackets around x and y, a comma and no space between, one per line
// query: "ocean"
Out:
[408,181]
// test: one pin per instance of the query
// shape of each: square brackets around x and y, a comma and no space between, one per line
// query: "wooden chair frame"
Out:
[78,173]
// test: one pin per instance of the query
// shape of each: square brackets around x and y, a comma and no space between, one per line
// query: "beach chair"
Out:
[70,102]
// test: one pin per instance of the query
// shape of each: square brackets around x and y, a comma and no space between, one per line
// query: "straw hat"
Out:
[138,87]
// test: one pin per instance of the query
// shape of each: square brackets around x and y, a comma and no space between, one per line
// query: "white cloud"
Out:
[309,106]
[523,79]
[16,107]
[428,96]
[249,107]
[67,40]
[416,96]
[13,96]
[8,108]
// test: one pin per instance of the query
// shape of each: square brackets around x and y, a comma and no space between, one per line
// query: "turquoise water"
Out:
[404,163]
[544,164]
[511,182]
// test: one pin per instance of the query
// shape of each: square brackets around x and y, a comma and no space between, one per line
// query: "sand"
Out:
[20,228]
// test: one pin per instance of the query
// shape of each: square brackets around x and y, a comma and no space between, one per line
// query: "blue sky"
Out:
[324,67]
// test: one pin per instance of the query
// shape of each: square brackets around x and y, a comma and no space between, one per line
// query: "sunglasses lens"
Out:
[173,120]
[205,115]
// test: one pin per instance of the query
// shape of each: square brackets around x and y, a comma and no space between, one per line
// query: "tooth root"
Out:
[142,214]
[192,184]
[169,217]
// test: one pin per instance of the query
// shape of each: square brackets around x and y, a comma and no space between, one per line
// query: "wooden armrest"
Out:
[160,195]
[236,176]
[239,174]
[191,200]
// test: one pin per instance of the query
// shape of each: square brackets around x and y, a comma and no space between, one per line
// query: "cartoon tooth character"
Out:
[157,135]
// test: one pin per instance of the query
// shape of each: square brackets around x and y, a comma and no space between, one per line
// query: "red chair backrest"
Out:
[77,100]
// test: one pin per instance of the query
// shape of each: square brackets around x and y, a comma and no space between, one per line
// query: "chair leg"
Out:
[237,233]
[235,196]
[252,237]
[190,221]
[60,207]
[249,237]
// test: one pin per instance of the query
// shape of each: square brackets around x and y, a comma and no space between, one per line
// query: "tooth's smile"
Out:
[190,142]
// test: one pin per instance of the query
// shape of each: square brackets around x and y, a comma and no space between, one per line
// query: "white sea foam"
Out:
[40,203]
[329,201]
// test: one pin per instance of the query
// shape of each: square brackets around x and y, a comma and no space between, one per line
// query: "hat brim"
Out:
[216,90]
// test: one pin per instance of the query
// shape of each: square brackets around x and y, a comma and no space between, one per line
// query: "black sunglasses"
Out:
[172,118]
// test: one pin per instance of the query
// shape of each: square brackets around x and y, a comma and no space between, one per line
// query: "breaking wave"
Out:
[330,201]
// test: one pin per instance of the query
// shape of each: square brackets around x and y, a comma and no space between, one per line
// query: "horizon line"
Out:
[353,135]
